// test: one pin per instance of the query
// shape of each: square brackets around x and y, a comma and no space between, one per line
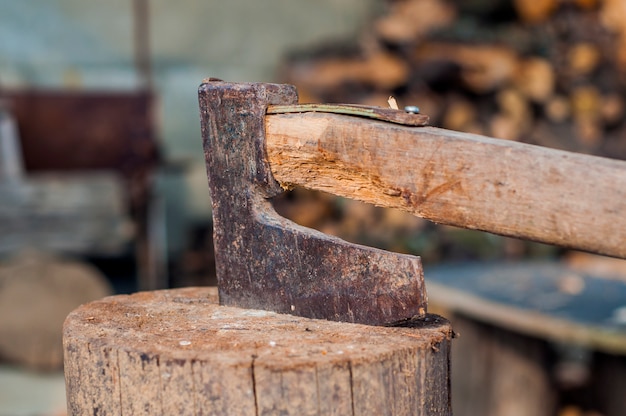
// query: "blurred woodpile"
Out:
[546,72]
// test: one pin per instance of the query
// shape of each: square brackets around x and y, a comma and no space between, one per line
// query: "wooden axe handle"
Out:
[466,180]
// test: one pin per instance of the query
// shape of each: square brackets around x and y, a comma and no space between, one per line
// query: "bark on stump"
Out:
[178,352]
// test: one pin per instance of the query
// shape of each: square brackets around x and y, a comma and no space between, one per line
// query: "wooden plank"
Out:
[453,178]
[65,212]
[179,352]
[609,395]
[75,130]
[539,299]
[499,372]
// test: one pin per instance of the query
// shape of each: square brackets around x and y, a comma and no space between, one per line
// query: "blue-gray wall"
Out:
[89,44]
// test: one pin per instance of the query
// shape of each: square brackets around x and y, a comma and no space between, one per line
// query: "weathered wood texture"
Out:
[72,130]
[65,212]
[499,68]
[500,371]
[609,383]
[534,334]
[453,178]
[177,352]
[538,299]
[497,372]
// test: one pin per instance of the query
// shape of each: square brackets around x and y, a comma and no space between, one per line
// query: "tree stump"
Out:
[37,291]
[178,352]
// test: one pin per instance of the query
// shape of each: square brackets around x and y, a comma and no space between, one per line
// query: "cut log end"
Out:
[179,352]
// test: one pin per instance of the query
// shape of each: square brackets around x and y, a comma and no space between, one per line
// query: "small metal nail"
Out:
[412,109]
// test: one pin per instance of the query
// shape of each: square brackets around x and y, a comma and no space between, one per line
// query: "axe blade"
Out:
[265,261]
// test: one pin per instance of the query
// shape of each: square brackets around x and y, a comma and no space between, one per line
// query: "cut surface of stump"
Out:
[178,352]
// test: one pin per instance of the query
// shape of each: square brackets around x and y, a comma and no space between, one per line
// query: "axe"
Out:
[258,142]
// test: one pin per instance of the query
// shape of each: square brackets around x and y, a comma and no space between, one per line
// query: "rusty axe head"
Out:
[265,261]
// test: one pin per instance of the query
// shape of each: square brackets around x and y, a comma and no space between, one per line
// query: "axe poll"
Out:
[258,141]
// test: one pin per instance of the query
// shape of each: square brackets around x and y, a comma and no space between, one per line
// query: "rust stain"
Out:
[295,270]
[443,188]
[326,155]
[427,191]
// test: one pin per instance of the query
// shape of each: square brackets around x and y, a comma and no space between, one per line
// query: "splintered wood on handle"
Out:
[466,180]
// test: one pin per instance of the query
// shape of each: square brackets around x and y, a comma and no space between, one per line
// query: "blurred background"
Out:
[103,187]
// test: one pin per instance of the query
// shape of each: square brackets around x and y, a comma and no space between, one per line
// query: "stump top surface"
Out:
[184,324]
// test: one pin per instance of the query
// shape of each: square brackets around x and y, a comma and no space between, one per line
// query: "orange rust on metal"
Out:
[267,262]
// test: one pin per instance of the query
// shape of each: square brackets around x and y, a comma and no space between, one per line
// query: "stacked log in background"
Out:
[547,72]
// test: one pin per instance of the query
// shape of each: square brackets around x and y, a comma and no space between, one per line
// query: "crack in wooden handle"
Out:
[377,113]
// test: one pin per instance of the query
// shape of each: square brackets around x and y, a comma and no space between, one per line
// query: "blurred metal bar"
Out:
[141,31]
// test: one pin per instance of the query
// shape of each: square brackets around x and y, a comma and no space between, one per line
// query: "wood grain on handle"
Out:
[454,178]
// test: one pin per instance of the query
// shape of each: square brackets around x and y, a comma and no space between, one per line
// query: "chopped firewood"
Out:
[514,117]
[410,20]
[621,52]
[504,126]
[612,109]
[512,102]
[586,112]
[381,70]
[486,68]
[589,131]
[398,219]
[460,114]
[585,102]
[535,79]
[557,109]
[583,58]
[587,4]
[483,68]
[546,72]
[428,102]
[312,209]
[612,14]
[566,67]
[533,11]
[375,100]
